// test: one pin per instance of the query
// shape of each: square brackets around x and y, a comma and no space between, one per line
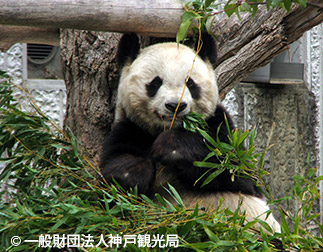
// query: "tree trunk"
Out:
[91,78]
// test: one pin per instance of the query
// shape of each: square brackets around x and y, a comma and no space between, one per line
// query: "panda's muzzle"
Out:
[171,106]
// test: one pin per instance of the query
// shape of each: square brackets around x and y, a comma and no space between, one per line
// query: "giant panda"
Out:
[142,151]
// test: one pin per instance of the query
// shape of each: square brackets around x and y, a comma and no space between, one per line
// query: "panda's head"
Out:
[152,82]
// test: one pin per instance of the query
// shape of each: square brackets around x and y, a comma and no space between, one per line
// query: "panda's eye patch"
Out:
[153,86]
[194,89]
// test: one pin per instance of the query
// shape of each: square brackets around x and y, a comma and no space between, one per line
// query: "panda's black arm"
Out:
[179,145]
[125,157]
[179,149]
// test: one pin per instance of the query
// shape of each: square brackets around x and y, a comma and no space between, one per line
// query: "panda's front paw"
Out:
[130,171]
[167,147]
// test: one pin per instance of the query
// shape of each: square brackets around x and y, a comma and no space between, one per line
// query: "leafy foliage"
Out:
[232,156]
[49,187]
[200,11]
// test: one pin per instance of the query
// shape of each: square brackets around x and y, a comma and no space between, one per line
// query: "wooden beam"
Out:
[10,35]
[152,18]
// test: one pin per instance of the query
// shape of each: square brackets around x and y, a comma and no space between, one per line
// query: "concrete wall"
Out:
[285,120]
[49,94]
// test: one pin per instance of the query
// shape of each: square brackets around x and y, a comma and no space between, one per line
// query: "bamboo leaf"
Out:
[213,237]
[208,3]
[186,21]
[230,9]
[212,176]
[287,4]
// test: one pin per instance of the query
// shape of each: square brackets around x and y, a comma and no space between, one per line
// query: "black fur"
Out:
[153,86]
[131,150]
[127,150]
[128,48]
[208,48]
[195,90]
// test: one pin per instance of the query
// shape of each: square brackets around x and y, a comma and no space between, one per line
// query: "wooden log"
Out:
[10,35]
[152,18]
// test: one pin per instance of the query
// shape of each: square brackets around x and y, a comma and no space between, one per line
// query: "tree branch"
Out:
[248,43]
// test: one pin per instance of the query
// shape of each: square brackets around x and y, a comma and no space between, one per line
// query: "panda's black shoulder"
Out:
[218,120]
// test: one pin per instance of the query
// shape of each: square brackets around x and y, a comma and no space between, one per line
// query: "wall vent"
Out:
[40,54]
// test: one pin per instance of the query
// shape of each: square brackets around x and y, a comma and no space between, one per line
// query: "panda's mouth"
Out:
[168,119]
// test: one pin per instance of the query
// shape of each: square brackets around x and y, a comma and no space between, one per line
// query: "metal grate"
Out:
[40,54]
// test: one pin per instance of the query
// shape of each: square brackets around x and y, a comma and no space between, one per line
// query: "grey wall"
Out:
[285,120]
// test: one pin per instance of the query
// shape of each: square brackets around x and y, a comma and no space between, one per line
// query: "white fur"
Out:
[172,64]
[252,206]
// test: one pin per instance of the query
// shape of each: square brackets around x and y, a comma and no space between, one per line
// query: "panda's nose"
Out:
[171,106]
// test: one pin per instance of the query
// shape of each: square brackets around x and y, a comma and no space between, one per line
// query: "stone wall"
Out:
[52,101]
[49,94]
[313,59]
[12,62]
[284,119]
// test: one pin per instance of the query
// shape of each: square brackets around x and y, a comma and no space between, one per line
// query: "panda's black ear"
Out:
[128,48]
[208,49]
